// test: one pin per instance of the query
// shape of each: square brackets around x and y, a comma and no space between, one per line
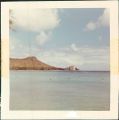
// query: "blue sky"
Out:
[62,37]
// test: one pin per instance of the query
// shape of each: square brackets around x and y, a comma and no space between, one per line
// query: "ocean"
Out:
[59,90]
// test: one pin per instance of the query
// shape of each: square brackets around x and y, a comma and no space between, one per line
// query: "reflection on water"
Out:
[59,90]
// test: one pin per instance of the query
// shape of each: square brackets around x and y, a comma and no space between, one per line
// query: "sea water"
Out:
[59,90]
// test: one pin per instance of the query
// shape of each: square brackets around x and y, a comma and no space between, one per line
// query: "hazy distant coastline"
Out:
[32,63]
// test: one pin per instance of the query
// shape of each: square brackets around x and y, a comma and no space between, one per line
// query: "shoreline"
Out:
[59,70]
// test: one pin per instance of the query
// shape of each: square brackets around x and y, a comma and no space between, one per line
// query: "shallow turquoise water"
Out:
[59,90]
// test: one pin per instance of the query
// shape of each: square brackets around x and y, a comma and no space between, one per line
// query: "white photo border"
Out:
[114,77]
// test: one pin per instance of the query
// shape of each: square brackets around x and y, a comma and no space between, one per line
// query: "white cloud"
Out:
[60,58]
[40,21]
[83,57]
[102,20]
[74,47]
[95,58]
[36,19]
[90,26]
[42,37]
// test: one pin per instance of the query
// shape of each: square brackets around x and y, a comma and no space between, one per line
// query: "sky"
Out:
[62,37]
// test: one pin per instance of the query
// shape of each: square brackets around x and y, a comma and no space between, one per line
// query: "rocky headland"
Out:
[32,63]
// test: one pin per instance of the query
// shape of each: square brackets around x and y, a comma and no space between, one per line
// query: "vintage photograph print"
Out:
[59,59]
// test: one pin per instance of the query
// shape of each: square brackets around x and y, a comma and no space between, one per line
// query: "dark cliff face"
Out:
[30,63]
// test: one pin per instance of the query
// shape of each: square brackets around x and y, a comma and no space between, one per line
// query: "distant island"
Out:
[32,63]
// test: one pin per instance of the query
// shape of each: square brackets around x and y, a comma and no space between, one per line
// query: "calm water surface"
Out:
[59,90]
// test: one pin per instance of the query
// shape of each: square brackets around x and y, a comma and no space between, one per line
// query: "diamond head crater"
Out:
[32,63]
